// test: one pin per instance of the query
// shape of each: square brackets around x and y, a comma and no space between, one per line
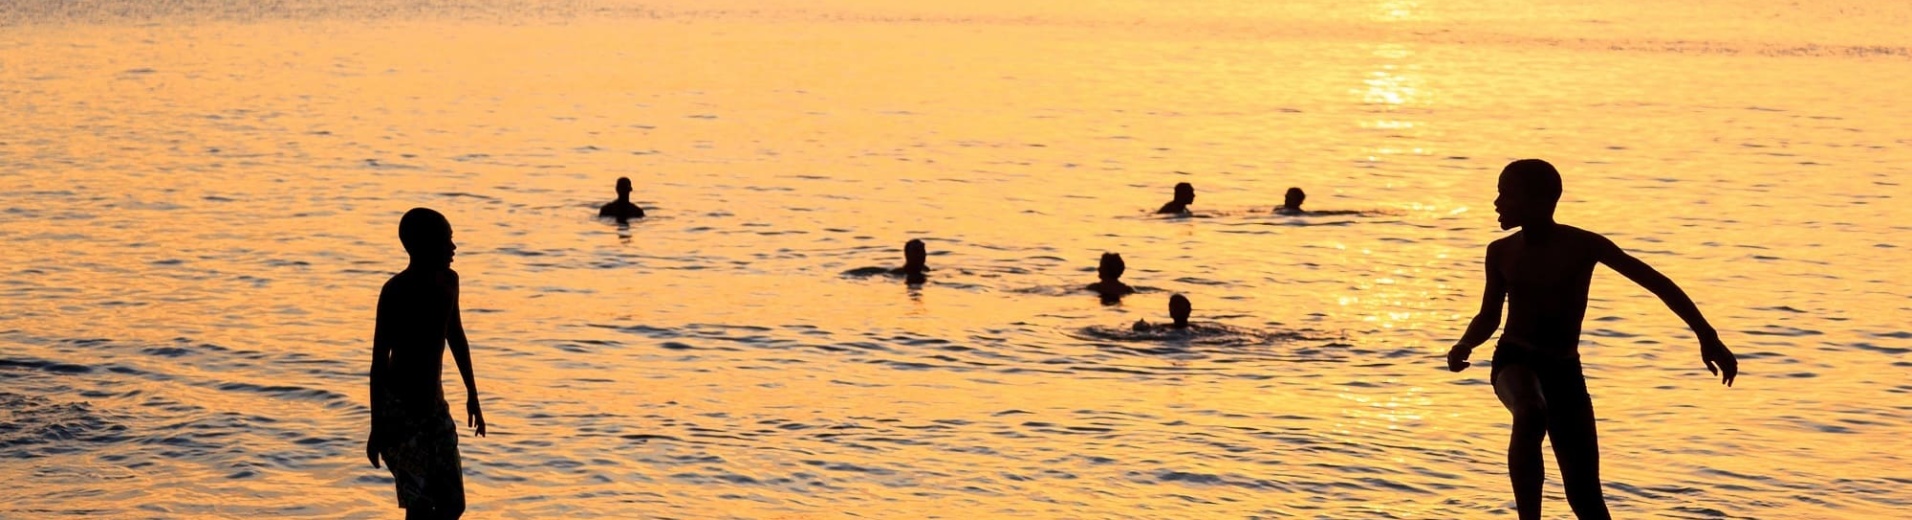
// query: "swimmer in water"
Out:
[1291,202]
[1178,309]
[915,268]
[1184,195]
[1542,274]
[622,209]
[1110,271]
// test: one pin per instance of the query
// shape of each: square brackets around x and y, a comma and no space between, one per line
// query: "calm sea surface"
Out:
[199,203]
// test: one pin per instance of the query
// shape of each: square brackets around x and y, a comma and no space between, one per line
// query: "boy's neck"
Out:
[1539,230]
[426,266]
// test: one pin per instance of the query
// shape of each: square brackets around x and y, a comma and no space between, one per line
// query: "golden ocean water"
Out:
[200,202]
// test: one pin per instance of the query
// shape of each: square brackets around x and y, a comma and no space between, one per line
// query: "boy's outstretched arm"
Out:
[1719,360]
[381,360]
[1488,319]
[461,353]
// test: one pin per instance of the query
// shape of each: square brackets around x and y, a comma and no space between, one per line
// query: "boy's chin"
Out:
[1508,224]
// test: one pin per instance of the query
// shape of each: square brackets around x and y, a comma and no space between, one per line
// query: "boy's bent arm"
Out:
[1712,351]
[1493,296]
[461,353]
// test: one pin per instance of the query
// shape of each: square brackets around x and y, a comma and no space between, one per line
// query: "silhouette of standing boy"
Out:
[412,427]
[1542,273]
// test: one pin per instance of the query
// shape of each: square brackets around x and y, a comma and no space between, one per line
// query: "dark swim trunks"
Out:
[422,452]
[1565,404]
[1562,383]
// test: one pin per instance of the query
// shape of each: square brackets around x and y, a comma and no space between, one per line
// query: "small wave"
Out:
[1202,333]
[288,392]
[866,272]
[49,366]
[29,420]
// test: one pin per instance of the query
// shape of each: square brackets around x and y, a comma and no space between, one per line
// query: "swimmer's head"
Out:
[915,255]
[623,187]
[1184,193]
[1529,191]
[1292,200]
[1111,268]
[426,235]
[1179,309]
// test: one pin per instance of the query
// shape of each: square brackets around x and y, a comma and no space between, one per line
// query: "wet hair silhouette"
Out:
[1541,182]
[915,262]
[1111,267]
[1179,309]
[622,209]
[426,235]
[1291,202]
[1184,195]
[1529,192]
[1110,272]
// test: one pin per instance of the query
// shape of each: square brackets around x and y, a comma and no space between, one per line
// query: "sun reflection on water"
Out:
[1396,11]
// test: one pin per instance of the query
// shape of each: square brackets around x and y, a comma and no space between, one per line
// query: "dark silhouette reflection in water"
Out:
[1184,195]
[621,209]
[1542,273]
[412,428]
[915,270]
[1110,270]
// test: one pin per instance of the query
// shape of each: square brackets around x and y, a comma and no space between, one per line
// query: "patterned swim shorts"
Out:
[422,452]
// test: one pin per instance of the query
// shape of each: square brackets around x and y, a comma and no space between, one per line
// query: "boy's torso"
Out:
[1547,282]
[420,306]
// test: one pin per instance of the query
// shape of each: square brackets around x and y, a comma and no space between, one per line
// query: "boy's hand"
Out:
[474,416]
[1719,360]
[1457,358]
[371,448]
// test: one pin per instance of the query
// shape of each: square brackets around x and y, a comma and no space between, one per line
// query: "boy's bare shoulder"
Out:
[393,282]
[1577,232]
[1592,240]
[1502,243]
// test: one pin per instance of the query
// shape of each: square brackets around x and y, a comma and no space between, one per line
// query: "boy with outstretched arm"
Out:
[1543,273]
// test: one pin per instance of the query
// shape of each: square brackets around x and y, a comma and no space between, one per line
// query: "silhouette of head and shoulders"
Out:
[1184,196]
[1179,310]
[1529,191]
[1110,272]
[915,268]
[622,209]
[1291,202]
